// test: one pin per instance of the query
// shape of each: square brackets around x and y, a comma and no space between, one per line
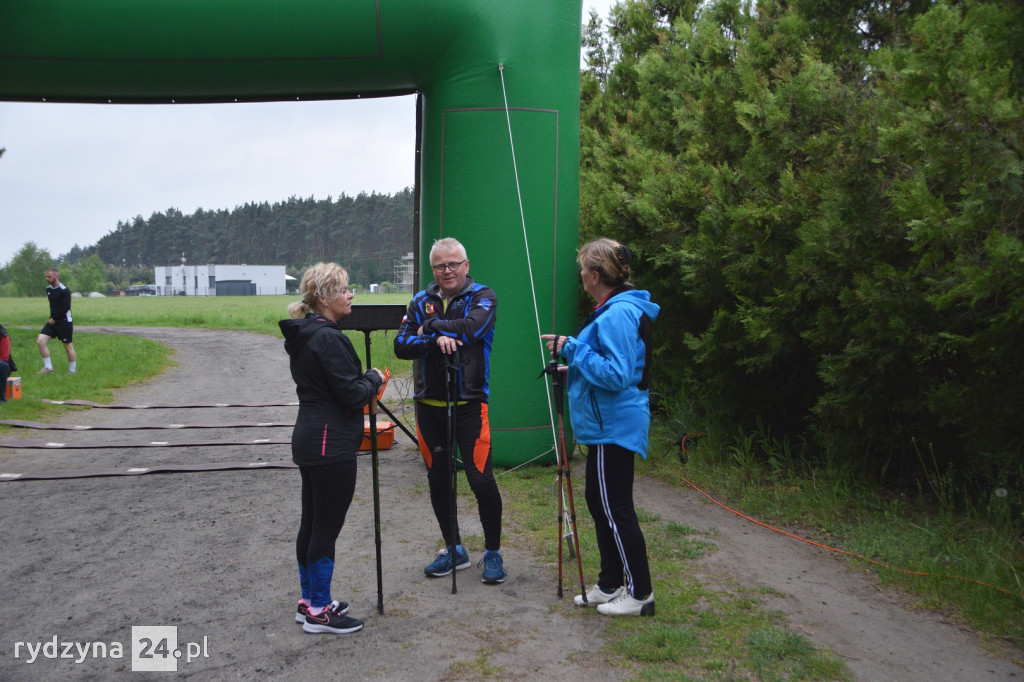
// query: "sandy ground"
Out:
[211,553]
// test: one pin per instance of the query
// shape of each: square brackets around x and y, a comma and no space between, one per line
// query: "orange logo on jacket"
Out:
[430,309]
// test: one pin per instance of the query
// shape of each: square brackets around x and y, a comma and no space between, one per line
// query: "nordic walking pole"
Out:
[452,369]
[376,486]
[564,472]
[376,500]
[561,518]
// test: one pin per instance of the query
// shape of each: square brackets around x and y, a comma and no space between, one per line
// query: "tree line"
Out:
[826,200]
[366,233]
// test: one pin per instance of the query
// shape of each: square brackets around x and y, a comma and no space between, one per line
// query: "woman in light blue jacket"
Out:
[609,411]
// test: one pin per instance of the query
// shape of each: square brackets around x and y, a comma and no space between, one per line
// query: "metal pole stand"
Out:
[555,371]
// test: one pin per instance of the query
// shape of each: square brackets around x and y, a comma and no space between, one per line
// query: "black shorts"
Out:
[61,330]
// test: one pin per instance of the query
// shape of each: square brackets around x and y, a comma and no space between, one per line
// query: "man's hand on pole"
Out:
[447,344]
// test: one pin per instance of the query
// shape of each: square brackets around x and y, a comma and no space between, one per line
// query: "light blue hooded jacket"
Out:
[606,363]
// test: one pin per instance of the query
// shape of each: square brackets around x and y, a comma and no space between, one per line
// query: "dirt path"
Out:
[85,560]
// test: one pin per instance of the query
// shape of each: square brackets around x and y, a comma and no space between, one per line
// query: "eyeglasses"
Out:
[453,266]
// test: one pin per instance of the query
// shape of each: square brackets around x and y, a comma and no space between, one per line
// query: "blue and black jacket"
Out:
[606,362]
[469,318]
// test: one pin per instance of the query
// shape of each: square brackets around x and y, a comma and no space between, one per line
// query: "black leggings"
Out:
[327,492]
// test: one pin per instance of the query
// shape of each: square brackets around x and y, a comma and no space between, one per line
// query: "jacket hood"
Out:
[298,332]
[636,297]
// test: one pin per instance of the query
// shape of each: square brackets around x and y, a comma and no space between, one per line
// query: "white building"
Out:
[220,280]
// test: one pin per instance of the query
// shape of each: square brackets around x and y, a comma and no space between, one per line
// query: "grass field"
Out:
[115,361]
[258,314]
[249,313]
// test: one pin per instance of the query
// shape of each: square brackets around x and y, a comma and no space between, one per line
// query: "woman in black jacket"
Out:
[332,390]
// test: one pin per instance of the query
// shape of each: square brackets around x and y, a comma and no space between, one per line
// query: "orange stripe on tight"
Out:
[427,456]
[482,447]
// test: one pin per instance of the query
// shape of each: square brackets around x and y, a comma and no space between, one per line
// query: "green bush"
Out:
[831,225]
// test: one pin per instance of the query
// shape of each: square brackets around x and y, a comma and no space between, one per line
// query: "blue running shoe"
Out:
[494,568]
[442,564]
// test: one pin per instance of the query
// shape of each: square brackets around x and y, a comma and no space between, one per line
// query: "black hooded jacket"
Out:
[332,390]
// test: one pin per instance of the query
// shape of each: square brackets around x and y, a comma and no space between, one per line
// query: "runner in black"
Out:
[59,325]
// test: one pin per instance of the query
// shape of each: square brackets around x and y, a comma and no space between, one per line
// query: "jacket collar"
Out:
[433,289]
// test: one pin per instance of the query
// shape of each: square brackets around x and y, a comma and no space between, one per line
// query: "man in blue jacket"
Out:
[453,319]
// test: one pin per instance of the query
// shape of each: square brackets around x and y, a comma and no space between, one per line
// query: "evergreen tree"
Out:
[826,200]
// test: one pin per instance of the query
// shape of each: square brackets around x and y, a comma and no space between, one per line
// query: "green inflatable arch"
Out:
[498,124]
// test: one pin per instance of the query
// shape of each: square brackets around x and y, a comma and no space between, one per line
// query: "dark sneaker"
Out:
[303,610]
[332,620]
[442,563]
[494,568]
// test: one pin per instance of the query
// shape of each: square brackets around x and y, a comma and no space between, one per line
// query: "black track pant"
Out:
[473,437]
[609,495]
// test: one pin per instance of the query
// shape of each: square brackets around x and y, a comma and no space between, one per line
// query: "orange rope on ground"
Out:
[841,551]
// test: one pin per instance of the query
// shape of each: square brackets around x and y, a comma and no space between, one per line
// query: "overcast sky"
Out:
[72,171]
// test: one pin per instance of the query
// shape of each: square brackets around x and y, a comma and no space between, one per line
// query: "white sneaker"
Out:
[595,596]
[626,605]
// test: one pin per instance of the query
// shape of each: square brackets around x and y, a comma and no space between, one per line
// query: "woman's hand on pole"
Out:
[551,340]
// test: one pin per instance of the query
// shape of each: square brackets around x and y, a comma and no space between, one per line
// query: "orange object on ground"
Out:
[13,389]
[385,435]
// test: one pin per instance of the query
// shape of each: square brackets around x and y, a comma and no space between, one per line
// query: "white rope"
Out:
[529,264]
[526,463]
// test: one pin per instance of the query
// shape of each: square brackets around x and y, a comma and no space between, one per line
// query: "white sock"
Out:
[47,363]
[71,366]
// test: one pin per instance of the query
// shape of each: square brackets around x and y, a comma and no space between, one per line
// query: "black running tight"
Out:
[327,492]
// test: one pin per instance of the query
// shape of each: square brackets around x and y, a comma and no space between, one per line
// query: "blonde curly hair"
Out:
[320,283]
